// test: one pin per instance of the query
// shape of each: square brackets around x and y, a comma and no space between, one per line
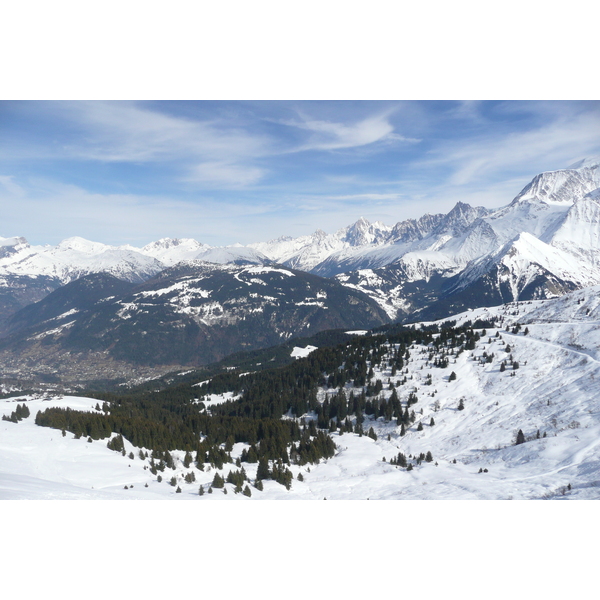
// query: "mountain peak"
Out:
[460,218]
[589,162]
[562,187]
[165,243]
[82,245]
[362,233]
[16,241]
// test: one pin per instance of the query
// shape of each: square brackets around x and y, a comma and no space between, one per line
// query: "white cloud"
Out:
[329,135]
[552,146]
[124,131]
[127,132]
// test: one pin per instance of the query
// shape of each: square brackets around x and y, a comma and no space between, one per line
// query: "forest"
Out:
[283,415]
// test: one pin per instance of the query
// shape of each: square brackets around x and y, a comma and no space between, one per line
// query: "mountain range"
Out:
[131,304]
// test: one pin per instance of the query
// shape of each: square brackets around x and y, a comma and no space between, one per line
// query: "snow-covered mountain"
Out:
[306,252]
[171,251]
[546,241]
[236,255]
[74,257]
[28,273]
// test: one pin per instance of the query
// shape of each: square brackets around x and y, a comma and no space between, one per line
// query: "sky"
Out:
[224,172]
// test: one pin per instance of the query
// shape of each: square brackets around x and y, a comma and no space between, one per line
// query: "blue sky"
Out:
[243,171]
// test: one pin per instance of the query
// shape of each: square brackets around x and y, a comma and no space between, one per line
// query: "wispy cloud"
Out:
[330,135]
[124,131]
[9,184]
[130,133]
[551,146]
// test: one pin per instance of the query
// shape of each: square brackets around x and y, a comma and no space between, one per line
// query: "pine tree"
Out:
[420,426]
[452,376]
[263,469]
[218,481]
[520,437]
[247,491]
[432,422]
[461,404]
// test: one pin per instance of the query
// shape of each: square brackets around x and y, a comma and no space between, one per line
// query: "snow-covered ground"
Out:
[299,352]
[554,392]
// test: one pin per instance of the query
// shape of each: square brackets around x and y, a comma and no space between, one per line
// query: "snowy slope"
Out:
[235,254]
[521,261]
[39,463]
[554,391]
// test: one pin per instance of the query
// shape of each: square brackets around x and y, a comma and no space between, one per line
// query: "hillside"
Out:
[99,328]
[547,390]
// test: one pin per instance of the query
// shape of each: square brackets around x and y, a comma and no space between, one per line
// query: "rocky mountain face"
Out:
[18,291]
[544,243]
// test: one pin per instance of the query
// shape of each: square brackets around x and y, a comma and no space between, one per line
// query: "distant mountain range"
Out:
[179,301]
